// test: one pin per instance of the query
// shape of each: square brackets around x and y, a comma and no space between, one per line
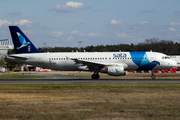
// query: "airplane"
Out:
[111,63]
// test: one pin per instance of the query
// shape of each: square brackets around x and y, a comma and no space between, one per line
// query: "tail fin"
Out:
[21,43]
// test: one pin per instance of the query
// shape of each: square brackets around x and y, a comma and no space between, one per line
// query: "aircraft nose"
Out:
[174,64]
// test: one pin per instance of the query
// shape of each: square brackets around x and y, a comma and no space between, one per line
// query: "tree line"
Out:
[154,44]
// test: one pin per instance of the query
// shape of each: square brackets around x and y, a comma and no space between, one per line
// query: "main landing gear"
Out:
[95,76]
[152,74]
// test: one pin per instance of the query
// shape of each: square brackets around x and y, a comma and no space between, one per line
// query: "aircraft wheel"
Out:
[95,76]
[153,77]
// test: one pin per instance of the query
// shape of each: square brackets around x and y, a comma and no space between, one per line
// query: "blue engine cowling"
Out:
[114,70]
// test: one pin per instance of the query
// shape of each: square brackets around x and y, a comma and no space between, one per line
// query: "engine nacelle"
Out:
[114,70]
[83,68]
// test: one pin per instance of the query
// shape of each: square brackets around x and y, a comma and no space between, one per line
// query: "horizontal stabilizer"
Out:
[19,57]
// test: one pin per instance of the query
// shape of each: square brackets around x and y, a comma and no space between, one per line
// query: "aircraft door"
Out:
[52,60]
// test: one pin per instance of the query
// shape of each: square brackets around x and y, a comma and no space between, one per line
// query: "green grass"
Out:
[19,76]
[93,101]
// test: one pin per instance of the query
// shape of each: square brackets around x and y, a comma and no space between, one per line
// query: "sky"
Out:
[62,23]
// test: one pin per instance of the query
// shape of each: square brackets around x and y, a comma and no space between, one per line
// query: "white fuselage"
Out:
[65,60]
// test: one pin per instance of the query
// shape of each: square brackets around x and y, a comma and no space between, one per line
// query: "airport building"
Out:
[4,47]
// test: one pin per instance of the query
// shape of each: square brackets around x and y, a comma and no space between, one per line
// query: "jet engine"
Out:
[114,70]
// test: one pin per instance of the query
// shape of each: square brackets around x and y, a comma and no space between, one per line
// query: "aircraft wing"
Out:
[90,65]
[88,62]
[97,65]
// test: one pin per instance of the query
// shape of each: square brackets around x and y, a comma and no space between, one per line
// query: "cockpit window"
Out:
[165,57]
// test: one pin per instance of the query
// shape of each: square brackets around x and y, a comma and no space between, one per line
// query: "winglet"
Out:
[21,43]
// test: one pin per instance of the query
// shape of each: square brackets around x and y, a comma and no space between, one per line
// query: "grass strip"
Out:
[90,101]
[19,76]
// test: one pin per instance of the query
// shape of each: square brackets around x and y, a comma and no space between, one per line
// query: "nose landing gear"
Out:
[152,74]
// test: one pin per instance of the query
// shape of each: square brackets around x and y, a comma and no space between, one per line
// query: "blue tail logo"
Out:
[22,44]
[22,41]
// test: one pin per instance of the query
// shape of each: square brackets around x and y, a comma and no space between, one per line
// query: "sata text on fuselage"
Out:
[119,55]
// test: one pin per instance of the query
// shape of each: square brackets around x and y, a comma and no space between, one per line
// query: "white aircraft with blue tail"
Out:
[111,63]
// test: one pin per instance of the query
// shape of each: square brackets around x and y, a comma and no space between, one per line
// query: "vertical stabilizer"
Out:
[21,43]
